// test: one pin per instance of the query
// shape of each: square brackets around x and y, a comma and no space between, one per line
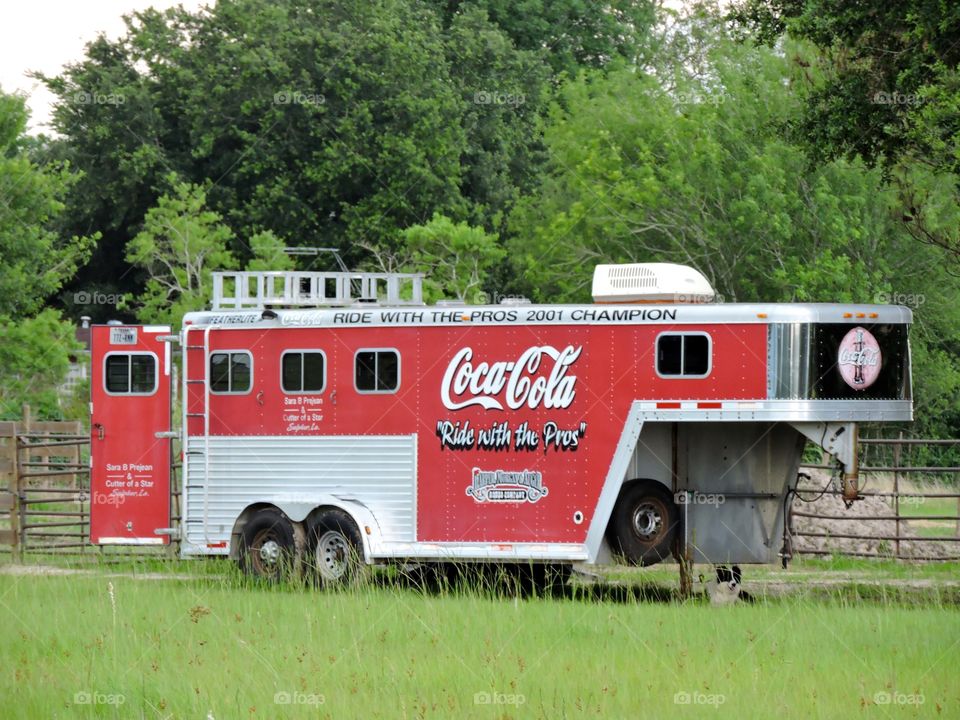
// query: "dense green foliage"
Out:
[884,85]
[323,121]
[504,148]
[36,259]
[35,347]
[34,357]
[699,173]
[573,33]
[460,258]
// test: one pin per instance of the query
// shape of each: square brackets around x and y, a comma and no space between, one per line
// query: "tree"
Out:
[34,262]
[694,168]
[504,93]
[455,257]
[34,259]
[180,245]
[695,174]
[883,83]
[571,34]
[268,253]
[34,359]
[327,122]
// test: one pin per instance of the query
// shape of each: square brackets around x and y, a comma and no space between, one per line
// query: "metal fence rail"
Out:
[898,468]
[45,491]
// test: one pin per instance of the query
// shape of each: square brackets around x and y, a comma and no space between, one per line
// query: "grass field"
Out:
[115,644]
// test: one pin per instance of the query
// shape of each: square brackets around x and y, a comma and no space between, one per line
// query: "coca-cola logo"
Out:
[859,358]
[531,380]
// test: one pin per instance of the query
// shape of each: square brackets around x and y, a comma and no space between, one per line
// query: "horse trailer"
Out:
[336,418]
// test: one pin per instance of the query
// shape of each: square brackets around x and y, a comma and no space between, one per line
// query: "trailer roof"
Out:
[363,315]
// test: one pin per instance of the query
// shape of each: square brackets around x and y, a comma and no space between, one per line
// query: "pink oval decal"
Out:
[859,358]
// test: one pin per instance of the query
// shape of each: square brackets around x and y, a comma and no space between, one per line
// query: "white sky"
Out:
[46,34]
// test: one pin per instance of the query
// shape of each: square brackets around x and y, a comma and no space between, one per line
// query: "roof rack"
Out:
[259,290]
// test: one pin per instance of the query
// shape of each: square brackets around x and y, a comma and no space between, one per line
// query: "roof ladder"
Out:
[256,290]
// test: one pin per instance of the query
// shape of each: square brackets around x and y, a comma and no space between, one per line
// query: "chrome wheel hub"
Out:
[647,520]
[333,554]
[270,552]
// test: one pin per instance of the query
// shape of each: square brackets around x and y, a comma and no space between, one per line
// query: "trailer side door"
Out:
[130,466]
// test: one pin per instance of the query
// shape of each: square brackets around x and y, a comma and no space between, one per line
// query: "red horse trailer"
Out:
[334,416]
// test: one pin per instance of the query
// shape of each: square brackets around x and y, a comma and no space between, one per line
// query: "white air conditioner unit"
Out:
[650,282]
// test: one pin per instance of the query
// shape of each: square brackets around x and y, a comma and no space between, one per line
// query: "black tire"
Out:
[644,523]
[335,549]
[267,548]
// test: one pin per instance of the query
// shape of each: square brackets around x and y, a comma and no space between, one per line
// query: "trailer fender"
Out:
[298,510]
[616,475]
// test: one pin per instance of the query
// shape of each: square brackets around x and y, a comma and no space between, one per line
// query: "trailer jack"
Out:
[841,441]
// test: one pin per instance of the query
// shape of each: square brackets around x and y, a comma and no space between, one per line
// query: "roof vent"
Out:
[650,283]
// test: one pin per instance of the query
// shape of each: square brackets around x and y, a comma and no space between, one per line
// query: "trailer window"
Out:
[230,372]
[683,355]
[377,370]
[130,374]
[303,371]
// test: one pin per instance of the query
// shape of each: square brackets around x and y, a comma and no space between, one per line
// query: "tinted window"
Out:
[681,355]
[387,370]
[219,372]
[365,371]
[240,372]
[669,353]
[230,372]
[314,372]
[302,371]
[696,354]
[118,373]
[377,370]
[291,372]
[132,374]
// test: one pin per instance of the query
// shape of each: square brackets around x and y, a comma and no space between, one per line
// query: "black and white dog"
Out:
[726,588]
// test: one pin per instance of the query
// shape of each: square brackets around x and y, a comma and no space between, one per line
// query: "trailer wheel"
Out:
[336,549]
[267,547]
[643,523]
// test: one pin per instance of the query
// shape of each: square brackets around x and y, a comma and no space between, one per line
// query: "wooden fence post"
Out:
[11,499]
[16,509]
[896,496]
[21,484]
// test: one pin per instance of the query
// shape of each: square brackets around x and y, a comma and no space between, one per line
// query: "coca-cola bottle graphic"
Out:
[858,359]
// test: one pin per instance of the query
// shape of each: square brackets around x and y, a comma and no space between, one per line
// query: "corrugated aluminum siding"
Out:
[377,471]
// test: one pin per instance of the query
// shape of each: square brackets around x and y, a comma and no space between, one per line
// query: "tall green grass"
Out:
[219,646]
